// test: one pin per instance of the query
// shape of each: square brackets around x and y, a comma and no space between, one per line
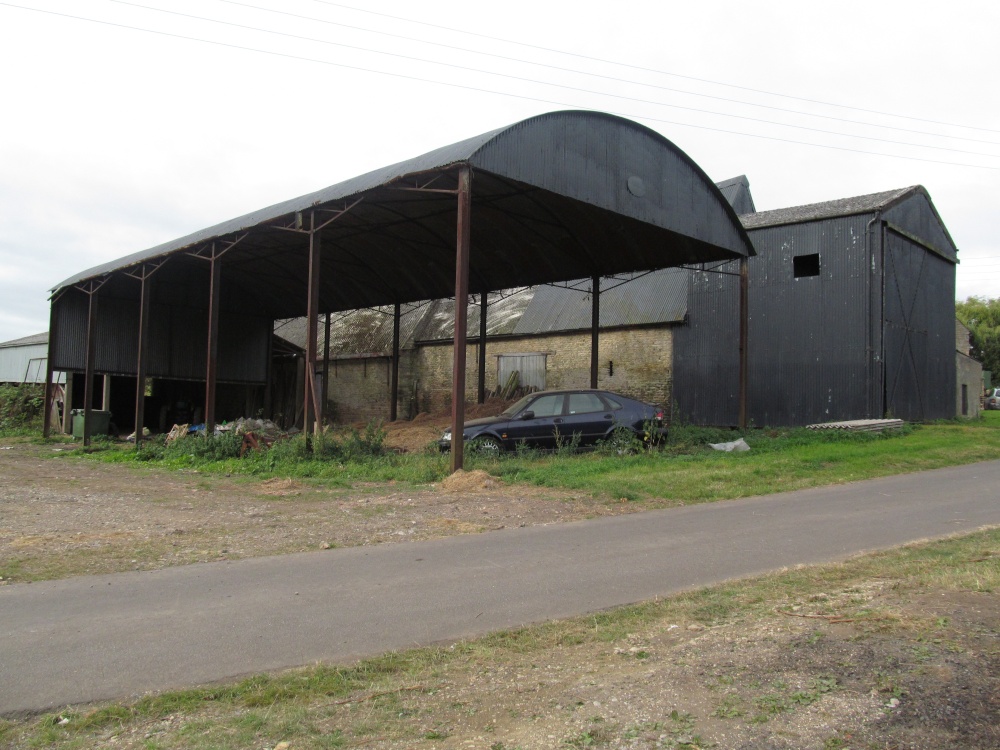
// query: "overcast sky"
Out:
[114,139]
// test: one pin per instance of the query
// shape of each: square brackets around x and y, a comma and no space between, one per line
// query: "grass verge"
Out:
[684,471]
[533,687]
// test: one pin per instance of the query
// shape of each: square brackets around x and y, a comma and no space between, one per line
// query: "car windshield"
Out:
[514,408]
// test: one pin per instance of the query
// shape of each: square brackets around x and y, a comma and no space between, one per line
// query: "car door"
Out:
[536,424]
[587,416]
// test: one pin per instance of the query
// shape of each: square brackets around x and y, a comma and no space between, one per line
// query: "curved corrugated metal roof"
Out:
[556,197]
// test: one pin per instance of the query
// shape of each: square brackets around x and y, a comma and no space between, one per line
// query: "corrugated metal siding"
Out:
[919,346]
[24,364]
[826,347]
[808,336]
[529,367]
[178,339]
[706,351]
[658,297]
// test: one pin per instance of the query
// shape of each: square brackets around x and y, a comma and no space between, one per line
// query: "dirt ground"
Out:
[62,515]
[931,680]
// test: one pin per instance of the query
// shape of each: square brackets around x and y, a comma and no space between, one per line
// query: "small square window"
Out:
[805,265]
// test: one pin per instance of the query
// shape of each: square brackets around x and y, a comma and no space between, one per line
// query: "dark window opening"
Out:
[965,400]
[805,265]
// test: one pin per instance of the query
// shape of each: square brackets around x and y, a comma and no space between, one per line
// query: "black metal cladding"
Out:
[556,197]
[178,315]
[870,336]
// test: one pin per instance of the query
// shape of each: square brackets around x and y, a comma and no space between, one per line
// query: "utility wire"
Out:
[484,90]
[651,70]
[577,71]
[523,79]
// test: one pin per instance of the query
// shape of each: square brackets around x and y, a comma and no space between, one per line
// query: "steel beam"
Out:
[211,366]
[88,367]
[47,418]
[311,411]
[463,241]
[394,374]
[140,363]
[744,339]
[482,349]
[324,403]
[595,324]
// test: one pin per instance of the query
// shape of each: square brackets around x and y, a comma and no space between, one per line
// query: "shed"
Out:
[24,360]
[851,315]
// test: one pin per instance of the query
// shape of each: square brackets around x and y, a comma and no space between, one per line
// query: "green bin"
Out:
[100,422]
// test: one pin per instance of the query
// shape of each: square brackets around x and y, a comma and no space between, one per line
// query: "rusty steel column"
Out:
[463,240]
[595,324]
[140,364]
[211,366]
[67,421]
[326,372]
[744,336]
[394,373]
[47,418]
[91,355]
[311,412]
[482,350]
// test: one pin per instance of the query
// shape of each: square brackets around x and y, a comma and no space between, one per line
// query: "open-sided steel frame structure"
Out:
[560,196]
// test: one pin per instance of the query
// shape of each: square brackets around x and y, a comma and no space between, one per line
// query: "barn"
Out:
[557,197]
[851,315]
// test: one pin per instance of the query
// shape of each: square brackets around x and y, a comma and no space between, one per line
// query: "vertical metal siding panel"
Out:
[808,358]
[70,343]
[706,354]
[16,362]
[919,324]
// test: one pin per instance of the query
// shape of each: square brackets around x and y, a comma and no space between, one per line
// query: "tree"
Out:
[982,317]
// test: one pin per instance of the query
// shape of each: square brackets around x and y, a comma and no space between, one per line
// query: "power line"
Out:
[523,79]
[652,70]
[576,71]
[483,90]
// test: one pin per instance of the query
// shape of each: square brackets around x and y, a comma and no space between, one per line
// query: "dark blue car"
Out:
[548,419]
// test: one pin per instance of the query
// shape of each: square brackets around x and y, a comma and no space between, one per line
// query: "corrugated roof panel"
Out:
[843,207]
[38,338]
[657,297]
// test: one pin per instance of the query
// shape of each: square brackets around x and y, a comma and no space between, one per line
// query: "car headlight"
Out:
[446,435]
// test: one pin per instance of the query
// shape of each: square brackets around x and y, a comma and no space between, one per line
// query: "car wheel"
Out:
[622,441]
[487,445]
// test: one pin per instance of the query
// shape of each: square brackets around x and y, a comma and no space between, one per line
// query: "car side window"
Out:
[585,403]
[612,403]
[547,406]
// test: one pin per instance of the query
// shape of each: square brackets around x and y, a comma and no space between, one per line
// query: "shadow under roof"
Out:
[555,197]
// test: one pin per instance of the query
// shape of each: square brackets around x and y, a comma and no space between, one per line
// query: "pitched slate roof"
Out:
[860,204]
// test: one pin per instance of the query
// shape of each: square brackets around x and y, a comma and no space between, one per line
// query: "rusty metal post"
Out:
[394,373]
[67,421]
[310,398]
[463,241]
[595,324]
[140,365]
[47,419]
[324,403]
[482,349]
[268,388]
[214,290]
[744,336]
[88,366]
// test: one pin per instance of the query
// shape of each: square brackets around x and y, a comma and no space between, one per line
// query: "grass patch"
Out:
[410,697]
[684,471]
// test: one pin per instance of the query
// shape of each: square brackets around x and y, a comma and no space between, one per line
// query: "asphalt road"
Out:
[115,636]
